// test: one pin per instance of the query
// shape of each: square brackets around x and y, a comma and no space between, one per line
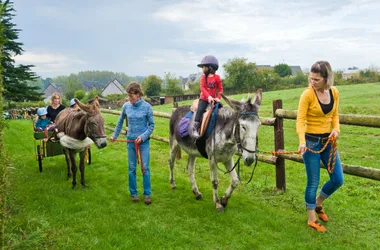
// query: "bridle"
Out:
[240,147]
[88,128]
[237,134]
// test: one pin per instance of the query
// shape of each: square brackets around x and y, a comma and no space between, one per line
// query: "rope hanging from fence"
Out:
[332,156]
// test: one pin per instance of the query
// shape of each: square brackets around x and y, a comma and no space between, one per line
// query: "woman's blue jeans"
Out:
[132,165]
[312,165]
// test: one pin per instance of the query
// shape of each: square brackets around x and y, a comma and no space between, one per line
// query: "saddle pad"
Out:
[201,142]
[184,124]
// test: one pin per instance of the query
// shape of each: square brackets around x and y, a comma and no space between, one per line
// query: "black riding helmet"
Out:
[209,61]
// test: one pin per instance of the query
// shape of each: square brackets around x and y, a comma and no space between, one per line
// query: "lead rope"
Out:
[332,155]
[138,153]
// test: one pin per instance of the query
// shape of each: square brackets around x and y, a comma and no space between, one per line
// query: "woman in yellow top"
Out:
[317,121]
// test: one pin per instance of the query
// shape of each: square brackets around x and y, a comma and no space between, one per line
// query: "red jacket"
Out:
[213,87]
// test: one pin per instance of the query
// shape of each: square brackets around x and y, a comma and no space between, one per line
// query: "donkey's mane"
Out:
[226,112]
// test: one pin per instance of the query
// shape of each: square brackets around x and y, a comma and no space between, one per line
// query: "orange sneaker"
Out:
[321,214]
[317,226]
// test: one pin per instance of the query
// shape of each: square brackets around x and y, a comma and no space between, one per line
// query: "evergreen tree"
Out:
[15,77]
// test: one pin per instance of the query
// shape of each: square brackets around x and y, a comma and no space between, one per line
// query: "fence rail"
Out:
[359,120]
[277,122]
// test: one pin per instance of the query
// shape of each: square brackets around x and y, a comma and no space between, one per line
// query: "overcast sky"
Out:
[143,37]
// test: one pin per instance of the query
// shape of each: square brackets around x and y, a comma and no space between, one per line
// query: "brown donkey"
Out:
[75,129]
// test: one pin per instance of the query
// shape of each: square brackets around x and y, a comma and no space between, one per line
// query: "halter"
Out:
[88,128]
[237,134]
[241,148]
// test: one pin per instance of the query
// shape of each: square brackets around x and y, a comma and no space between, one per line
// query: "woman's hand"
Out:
[216,99]
[334,133]
[138,140]
[112,139]
[210,99]
[302,149]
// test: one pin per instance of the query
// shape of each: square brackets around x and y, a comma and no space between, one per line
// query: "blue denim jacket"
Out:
[140,120]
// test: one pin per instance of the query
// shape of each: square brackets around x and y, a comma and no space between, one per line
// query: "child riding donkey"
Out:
[211,90]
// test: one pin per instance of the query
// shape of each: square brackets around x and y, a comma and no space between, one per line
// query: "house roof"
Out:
[115,83]
[55,86]
[295,69]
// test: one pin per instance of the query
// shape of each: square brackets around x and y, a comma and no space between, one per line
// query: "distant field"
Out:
[44,213]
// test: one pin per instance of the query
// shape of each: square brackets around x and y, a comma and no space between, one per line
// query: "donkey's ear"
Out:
[258,97]
[96,103]
[232,103]
[83,107]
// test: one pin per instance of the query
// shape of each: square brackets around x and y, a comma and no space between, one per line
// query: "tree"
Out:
[300,78]
[268,79]
[91,94]
[79,94]
[240,75]
[15,77]
[173,85]
[73,84]
[151,85]
[283,70]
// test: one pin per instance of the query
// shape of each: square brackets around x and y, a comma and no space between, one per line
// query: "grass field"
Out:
[44,213]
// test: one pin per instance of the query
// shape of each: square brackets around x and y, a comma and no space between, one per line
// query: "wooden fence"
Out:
[276,121]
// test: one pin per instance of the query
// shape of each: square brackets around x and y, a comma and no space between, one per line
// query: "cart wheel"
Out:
[88,156]
[39,157]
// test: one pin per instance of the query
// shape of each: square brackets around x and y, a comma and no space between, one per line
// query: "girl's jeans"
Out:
[312,165]
[132,164]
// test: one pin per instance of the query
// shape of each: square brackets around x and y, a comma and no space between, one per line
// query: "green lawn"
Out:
[44,213]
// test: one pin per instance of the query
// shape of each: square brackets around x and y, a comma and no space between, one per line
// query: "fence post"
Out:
[279,145]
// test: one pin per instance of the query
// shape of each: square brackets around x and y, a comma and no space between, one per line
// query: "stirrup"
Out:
[195,130]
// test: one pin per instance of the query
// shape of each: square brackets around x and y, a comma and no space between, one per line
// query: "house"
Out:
[113,87]
[49,90]
[192,78]
[350,73]
[294,68]
[183,82]
[177,98]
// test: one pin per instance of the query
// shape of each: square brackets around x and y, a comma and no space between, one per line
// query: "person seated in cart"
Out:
[43,123]
[74,106]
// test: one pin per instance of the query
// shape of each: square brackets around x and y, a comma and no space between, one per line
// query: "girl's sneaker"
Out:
[321,214]
[317,226]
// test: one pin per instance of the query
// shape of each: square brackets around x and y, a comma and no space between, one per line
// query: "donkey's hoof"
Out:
[84,186]
[73,188]
[174,186]
[219,208]
[199,196]
[224,201]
